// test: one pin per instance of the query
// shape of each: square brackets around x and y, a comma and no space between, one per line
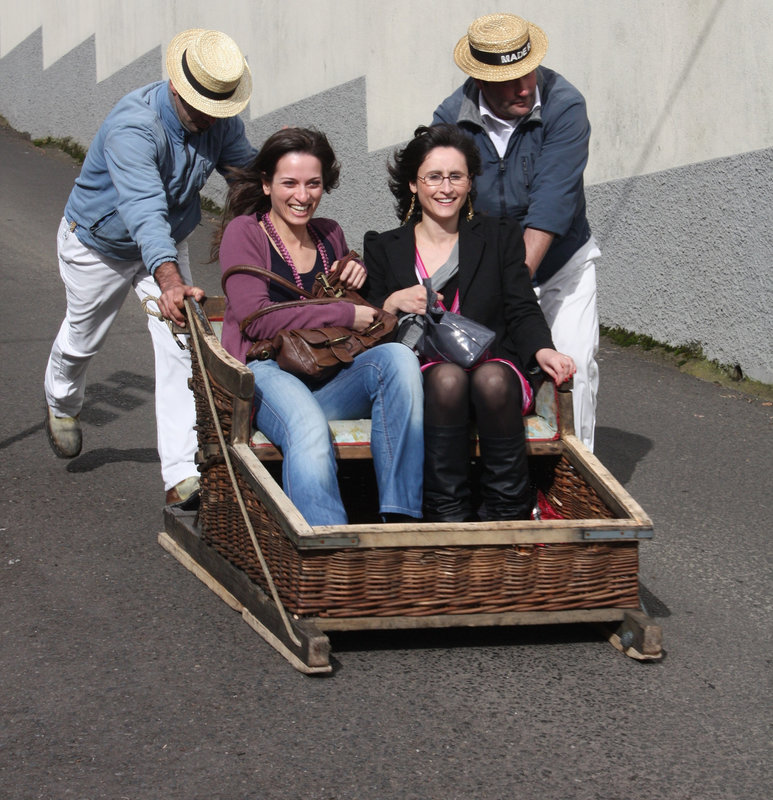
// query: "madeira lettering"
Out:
[515,55]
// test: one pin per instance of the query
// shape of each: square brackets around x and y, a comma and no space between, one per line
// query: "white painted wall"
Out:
[680,97]
[668,82]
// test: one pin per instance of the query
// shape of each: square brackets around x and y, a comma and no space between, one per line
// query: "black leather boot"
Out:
[504,480]
[446,474]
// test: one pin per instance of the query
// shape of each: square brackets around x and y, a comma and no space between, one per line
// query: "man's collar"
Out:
[470,108]
[487,114]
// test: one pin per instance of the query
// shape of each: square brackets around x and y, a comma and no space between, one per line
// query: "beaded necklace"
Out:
[285,253]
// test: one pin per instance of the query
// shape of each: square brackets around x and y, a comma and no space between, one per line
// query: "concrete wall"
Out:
[678,94]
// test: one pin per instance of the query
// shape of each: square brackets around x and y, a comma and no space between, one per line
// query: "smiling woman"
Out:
[268,223]
[478,264]
[295,188]
[444,184]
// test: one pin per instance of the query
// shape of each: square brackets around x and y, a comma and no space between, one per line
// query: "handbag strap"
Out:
[261,312]
[447,274]
[261,272]
[249,269]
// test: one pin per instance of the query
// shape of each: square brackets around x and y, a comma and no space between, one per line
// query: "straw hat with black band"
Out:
[209,72]
[500,47]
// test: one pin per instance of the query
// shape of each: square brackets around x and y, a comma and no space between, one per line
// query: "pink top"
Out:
[245,242]
[421,273]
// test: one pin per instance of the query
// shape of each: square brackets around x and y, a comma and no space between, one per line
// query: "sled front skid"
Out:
[181,540]
[628,630]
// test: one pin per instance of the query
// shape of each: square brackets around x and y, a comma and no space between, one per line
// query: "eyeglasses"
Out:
[437,178]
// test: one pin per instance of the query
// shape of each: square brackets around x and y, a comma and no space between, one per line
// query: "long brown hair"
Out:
[245,186]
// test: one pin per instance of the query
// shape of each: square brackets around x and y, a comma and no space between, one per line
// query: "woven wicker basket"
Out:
[416,581]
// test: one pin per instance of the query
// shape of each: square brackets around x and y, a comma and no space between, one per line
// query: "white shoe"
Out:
[185,495]
[64,434]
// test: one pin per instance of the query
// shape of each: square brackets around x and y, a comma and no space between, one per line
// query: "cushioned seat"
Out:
[351,437]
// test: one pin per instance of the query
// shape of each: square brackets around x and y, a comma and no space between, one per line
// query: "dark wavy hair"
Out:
[245,186]
[406,162]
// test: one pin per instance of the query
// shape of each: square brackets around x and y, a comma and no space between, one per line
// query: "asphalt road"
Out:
[122,676]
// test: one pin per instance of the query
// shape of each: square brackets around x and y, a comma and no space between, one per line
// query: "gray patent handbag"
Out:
[447,336]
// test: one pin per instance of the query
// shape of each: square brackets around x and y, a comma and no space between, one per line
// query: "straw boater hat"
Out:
[500,47]
[209,71]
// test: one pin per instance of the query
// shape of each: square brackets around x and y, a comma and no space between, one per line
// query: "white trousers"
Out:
[96,288]
[568,301]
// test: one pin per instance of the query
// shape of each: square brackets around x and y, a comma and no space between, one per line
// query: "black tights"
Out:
[492,392]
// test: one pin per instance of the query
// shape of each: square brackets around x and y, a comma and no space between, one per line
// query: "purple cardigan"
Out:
[245,242]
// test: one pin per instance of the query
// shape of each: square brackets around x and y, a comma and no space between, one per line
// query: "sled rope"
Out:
[194,335]
[158,315]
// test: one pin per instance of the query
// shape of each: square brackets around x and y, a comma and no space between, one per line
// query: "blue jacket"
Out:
[138,192]
[539,179]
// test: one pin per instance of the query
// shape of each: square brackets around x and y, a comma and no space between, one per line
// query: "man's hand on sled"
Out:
[174,291]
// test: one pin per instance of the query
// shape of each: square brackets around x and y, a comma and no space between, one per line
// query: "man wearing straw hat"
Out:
[532,130]
[125,226]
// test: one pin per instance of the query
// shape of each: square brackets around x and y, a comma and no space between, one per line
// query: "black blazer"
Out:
[494,284]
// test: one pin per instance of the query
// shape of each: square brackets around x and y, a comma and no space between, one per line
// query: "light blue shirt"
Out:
[138,192]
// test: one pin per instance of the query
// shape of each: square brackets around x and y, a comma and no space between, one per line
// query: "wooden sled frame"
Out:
[302,637]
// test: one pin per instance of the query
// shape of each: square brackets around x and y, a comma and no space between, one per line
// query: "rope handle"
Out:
[158,315]
[193,307]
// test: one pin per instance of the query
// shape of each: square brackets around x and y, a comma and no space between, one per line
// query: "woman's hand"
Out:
[412,300]
[353,274]
[559,366]
[363,316]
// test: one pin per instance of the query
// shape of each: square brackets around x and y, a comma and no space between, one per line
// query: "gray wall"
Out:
[681,155]
[688,257]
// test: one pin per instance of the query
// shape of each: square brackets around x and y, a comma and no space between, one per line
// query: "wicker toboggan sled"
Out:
[293,582]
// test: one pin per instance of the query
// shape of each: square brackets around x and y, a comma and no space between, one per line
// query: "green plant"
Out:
[67,145]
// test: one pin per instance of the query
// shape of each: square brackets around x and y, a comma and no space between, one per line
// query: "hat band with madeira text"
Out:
[497,59]
[500,47]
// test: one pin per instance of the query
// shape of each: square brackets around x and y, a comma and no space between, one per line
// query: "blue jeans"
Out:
[383,383]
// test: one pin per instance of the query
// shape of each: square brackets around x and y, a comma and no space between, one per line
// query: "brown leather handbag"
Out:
[315,353]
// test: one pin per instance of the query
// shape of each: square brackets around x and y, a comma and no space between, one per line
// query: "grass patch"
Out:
[66,145]
[690,358]
[210,207]
[624,338]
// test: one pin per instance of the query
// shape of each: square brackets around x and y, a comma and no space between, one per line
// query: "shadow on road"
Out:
[620,451]
[443,638]
[117,394]
[34,430]
[94,459]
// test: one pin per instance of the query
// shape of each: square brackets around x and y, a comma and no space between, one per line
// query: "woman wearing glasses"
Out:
[476,264]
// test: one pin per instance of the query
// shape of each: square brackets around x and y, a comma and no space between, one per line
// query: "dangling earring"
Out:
[470,210]
[411,209]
